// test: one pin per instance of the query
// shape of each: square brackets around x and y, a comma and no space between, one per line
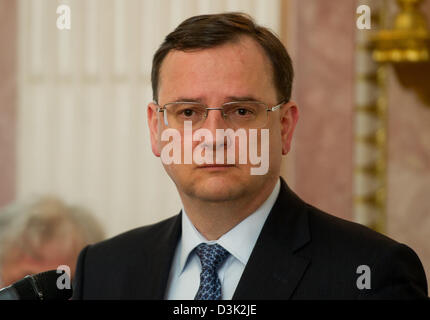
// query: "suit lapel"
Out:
[154,282]
[276,266]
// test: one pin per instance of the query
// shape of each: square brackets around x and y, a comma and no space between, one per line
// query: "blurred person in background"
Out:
[42,234]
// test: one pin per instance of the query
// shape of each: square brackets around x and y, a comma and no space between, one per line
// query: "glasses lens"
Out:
[237,114]
[246,114]
[178,113]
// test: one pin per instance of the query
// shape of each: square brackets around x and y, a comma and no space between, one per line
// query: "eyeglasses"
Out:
[237,114]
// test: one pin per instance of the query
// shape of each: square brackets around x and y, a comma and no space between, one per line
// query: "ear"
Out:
[153,119]
[289,117]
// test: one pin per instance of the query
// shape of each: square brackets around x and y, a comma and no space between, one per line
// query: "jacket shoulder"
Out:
[338,230]
[109,269]
[343,247]
[142,237]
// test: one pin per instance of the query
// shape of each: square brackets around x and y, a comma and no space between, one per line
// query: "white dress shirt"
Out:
[184,278]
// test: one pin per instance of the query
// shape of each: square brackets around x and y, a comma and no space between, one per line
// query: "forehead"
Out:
[239,68]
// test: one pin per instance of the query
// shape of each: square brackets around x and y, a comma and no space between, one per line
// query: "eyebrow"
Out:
[242,98]
[229,98]
[184,99]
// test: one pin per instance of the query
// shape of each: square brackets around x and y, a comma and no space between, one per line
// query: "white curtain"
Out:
[83,92]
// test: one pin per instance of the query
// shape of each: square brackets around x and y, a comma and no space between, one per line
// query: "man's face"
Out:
[216,76]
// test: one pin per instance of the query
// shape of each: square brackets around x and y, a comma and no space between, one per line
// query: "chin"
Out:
[219,188]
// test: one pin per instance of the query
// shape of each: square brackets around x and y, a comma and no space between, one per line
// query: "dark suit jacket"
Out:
[301,253]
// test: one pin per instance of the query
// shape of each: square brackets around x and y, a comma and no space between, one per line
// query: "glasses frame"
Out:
[207,108]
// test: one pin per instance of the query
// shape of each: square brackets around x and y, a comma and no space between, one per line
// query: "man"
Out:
[42,233]
[239,235]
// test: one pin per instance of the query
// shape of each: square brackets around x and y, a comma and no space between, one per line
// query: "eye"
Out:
[243,111]
[187,112]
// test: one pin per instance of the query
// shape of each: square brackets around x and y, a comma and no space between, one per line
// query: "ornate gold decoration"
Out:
[370,176]
[408,40]
[370,185]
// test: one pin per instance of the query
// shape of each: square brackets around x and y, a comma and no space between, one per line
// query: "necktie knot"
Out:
[211,257]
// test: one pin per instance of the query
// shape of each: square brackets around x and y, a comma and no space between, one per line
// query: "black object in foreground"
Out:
[41,286]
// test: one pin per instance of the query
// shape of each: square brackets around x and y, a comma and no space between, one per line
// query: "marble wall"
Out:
[323,54]
[8,38]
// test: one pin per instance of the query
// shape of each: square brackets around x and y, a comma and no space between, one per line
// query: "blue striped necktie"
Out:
[211,258]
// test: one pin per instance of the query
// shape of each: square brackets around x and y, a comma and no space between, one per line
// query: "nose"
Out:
[215,120]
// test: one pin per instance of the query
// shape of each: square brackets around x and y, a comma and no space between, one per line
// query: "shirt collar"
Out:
[239,241]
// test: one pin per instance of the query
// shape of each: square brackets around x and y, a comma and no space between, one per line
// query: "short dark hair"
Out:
[211,30]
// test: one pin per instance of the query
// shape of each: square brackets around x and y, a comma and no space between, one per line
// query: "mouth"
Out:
[215,167]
